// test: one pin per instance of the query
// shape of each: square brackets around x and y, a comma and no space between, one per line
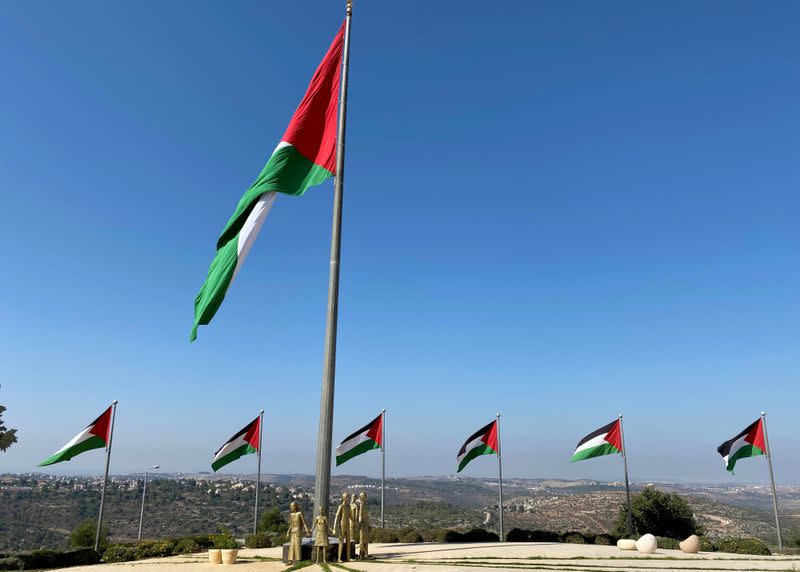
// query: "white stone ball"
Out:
[647,544]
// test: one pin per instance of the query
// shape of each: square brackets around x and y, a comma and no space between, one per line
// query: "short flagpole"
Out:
[500,473]
[105,478]
[772,481]
[383,466]
[258,476]
[322,483]
[627,484]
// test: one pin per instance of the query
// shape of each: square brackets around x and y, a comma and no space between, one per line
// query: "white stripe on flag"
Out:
[592,443]
[251,227]
[230,446]
[345,446]
[476,442]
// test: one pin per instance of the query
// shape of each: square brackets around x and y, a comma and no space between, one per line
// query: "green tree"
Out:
[7,436]
[273,521]
[661,514]
[83,535]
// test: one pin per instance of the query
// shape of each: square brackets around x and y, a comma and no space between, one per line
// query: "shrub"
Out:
[84,534]
[606,539]
[473,535]
[120,553]
[706,545]
[11,563]
[433,534]
[155,548]
[387,535]
[660,514]
[409,535]
[521,535]
[44,559]
[258,540]
[273,521]
[225,540]
[667,543]
[204,540]
[187,546]
[573,538]
[742,546]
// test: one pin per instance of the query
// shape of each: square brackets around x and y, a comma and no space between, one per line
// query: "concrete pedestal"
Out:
[308,552]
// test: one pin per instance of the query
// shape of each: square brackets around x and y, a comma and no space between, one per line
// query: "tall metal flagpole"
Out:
[627,484]
[500,472]
[258,477]
[772,481]
[383,466]
[105,478]
[323,480]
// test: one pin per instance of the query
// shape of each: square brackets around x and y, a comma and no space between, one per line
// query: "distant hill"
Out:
[40,510]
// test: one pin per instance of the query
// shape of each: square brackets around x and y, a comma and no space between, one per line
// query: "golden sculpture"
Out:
[297,525]
[342,519]
[354,518]
[363,526]
[321,538]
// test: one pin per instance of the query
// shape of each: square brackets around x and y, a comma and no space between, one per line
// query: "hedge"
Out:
[44,559]
[126,552]
[742,546]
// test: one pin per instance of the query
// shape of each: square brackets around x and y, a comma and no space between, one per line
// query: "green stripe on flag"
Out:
[359,449]
[232,456]
[475,452]
[743,453]
[600,450]
[93,442]
[288,172]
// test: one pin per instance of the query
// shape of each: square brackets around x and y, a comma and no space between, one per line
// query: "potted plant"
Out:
[226,545]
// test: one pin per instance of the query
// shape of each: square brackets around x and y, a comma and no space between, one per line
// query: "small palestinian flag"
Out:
[482,442]
[367,438]
[95,436]
[748,443]
[244,442]
[604,441]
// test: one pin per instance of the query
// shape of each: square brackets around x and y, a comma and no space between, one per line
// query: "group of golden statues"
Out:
[352,517]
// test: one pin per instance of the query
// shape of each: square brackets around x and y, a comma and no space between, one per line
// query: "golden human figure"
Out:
[342,520]
[363,526]
[321,538]
[297,525]
[354,518]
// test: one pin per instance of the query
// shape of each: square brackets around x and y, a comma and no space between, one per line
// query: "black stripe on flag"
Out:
[244,430]
[725,448]
[478,433]
[362,430]
[602,431]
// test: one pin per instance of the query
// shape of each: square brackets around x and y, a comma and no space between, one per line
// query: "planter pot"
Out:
[229,555]
[215,556]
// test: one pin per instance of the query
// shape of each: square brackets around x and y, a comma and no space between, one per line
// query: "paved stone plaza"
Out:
[477,557]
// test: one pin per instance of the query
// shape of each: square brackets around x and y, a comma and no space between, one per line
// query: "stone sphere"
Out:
[626,544]
[691,545]
[647,544]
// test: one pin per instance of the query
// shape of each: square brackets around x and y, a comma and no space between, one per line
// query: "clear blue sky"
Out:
[559,211]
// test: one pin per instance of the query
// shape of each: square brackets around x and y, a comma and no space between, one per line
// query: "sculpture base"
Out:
[308,550]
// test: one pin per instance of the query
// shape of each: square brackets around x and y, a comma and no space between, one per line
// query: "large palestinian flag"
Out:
[482,442]
[95,436]
[305,156]
[748,443]
[367,438]
[244,442]
[604,441]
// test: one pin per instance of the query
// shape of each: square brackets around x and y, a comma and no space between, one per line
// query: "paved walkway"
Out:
[483,557]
